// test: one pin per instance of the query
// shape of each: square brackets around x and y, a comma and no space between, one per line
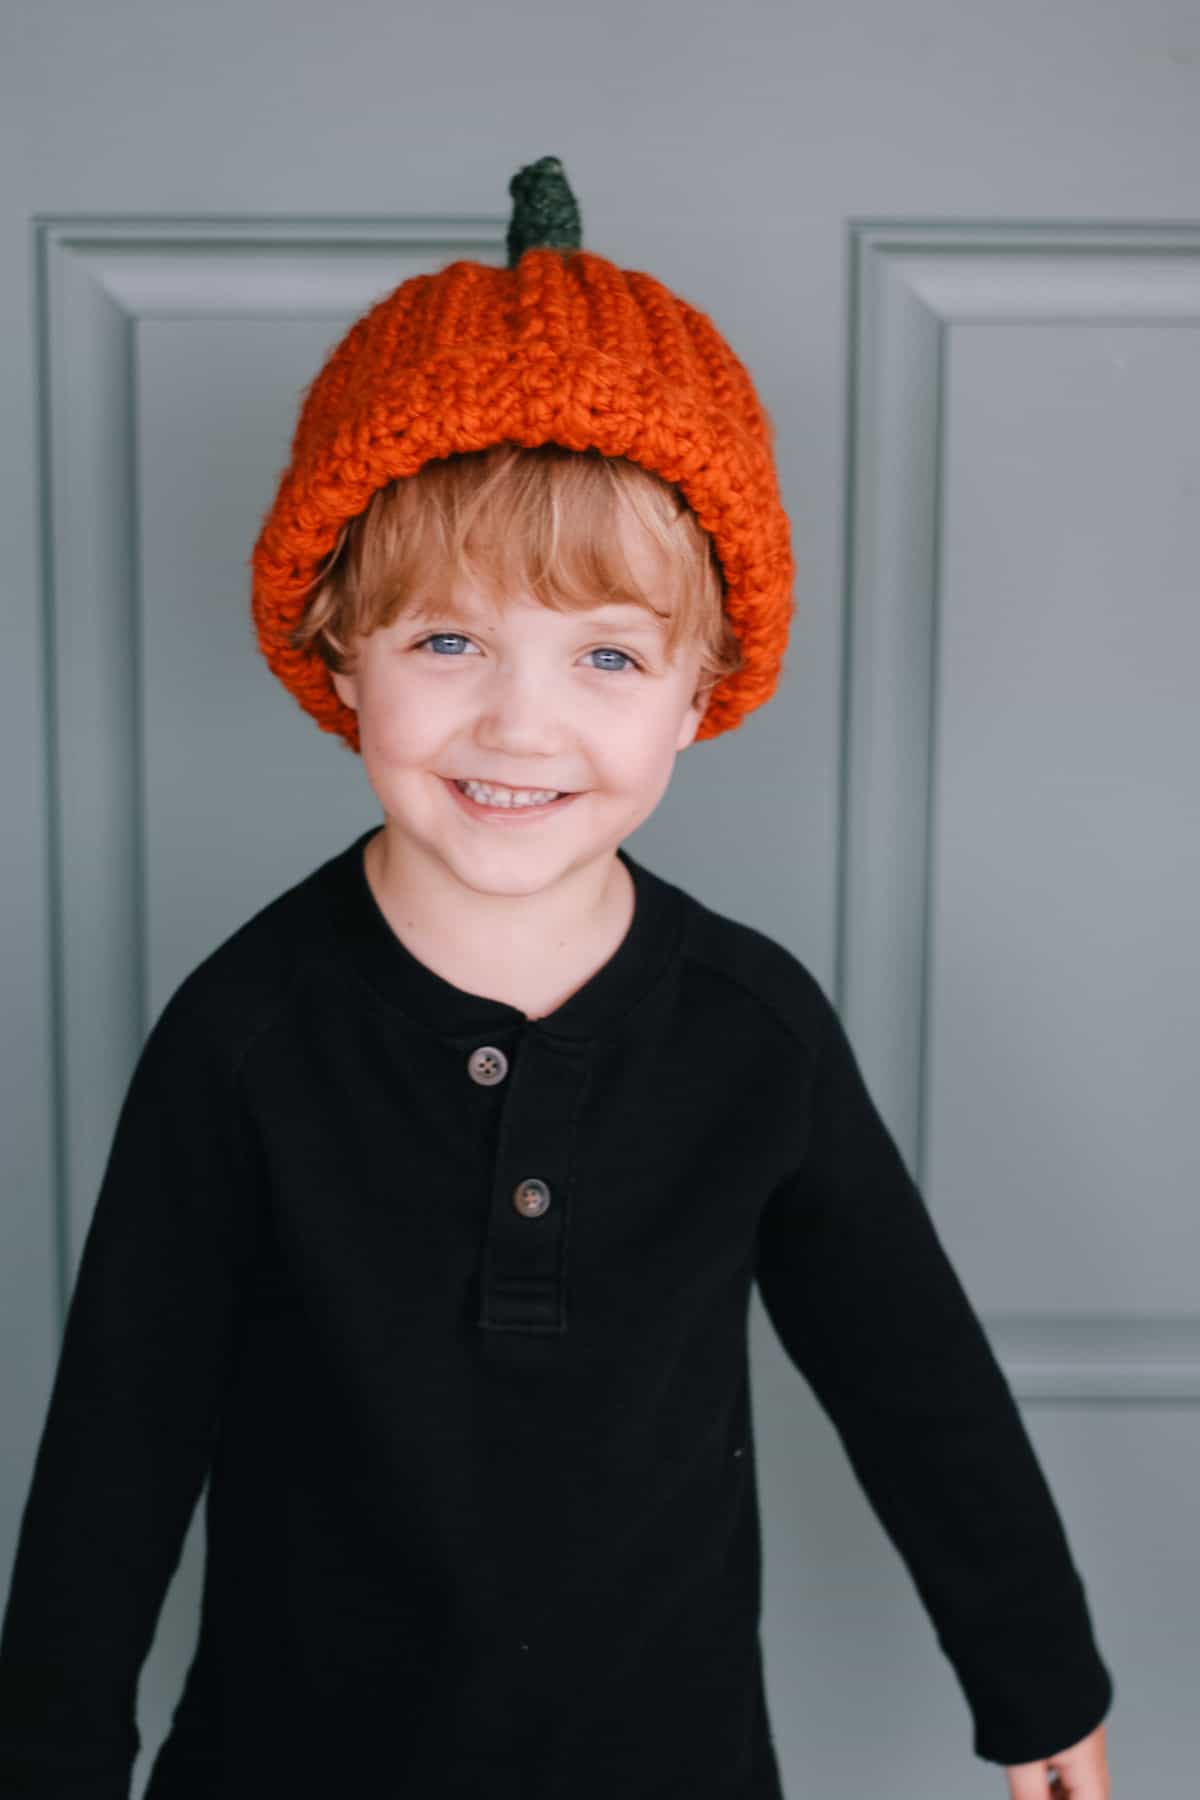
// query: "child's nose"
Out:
[525,705]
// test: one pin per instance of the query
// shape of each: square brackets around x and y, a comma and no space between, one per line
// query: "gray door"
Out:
[958,248]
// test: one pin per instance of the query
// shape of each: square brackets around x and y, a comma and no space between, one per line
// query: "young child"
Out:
[433,1211]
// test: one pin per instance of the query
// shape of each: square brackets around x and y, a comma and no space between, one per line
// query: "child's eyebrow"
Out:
[639,620]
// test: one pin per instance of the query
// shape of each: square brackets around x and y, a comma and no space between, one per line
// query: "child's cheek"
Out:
[407,725]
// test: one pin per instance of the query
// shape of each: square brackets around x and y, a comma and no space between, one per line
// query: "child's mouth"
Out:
[512,812]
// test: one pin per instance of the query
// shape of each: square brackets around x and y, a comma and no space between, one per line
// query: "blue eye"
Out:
[608,651]
[434,637]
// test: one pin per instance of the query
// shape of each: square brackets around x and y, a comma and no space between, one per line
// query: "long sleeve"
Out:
[146,1352]
[869,1308]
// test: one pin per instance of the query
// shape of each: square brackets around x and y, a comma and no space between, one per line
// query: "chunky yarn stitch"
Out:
[561,346]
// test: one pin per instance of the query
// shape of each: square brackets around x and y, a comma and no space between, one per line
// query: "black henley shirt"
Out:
[449,1307]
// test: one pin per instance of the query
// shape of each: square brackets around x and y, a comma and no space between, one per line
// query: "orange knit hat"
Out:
[561,346]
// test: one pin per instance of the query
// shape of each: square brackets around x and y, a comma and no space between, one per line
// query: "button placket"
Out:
[523,1274]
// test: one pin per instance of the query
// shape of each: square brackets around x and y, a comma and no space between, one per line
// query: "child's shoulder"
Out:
[240,986]
[765,972]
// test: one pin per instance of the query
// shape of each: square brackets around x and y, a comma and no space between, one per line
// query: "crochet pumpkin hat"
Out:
[561,346]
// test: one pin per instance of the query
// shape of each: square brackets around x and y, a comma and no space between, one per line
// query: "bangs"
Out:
[546,523]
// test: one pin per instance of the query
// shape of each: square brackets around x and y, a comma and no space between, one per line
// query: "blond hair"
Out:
[541,521]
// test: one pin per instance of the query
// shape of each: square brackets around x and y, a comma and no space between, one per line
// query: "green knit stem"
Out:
[545,215]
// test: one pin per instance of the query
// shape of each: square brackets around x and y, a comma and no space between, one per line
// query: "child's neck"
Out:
[528,955]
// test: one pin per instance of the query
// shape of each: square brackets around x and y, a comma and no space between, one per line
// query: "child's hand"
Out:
[1079,1773]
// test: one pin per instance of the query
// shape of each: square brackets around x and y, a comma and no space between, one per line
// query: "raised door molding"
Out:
[913,289]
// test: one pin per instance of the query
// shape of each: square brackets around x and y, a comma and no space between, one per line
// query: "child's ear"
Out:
[690,723]
[345,687]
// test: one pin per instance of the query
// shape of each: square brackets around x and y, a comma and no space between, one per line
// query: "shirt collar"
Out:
[597,1009]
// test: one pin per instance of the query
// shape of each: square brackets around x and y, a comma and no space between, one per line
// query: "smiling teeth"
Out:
[484,795]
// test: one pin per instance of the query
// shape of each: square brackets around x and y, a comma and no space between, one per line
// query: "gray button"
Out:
[531,1197]
[487,1065]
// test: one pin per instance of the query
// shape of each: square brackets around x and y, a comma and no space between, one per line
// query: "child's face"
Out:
[525,696]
